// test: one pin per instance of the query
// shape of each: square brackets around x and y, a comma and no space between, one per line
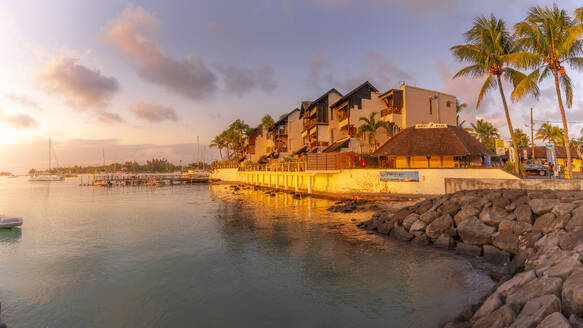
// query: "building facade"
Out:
[316,117]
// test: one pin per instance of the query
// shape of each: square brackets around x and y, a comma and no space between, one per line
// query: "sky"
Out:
[118,80]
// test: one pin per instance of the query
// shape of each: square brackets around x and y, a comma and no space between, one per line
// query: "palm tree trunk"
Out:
[569,172]
[220,153]
[517,157]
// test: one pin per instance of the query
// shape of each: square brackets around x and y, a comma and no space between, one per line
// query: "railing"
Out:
[295,166]
[390,110]
[309,124]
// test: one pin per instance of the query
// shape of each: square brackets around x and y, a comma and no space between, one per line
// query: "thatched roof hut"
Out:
[433,140]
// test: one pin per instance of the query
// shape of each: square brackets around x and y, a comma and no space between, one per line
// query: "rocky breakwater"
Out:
[533,238]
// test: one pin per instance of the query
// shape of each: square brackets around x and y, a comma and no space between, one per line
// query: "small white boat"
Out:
[47,177]
[9,222]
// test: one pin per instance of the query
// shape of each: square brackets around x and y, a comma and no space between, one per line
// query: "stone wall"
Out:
[535,239]
[457,184]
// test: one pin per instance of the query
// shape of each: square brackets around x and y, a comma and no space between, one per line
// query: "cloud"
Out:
[219,31]
[153,112]
[377,69]
[188,77]
[414,6]
[240,81]
[108,117]
[18,121]
[23,101]
[79,86]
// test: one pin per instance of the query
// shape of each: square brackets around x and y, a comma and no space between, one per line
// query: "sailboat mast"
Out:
[50,146]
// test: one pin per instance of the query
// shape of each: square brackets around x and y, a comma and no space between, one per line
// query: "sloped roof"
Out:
[446,141]
[353,91]
[284,117]
[337,146]
[322,97]
[541,152]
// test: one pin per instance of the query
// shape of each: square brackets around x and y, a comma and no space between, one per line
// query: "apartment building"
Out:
[286,133]
[316,116]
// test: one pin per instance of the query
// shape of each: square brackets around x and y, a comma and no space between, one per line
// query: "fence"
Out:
[297,166]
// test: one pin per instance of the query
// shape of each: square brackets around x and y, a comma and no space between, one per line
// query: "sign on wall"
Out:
[551,154]
[403,176]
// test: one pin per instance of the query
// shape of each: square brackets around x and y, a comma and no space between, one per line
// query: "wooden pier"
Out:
[110,180]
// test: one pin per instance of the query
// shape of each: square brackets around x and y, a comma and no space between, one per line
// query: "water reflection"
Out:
[10,236]
[370,273]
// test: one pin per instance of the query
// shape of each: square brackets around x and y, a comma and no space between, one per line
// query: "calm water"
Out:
[199,256]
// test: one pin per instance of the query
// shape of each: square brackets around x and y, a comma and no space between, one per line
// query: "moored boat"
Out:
[9,222]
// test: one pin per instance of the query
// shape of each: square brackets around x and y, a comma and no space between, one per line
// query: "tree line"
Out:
[545,43]
[155,165]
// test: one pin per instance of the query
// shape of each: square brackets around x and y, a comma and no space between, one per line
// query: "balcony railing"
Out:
[297,166]
[342,123]
[390,110]
[316,143]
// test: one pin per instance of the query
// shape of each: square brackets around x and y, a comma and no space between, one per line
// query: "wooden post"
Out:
[297,183]
[309,184]
[276,181]
[285,184]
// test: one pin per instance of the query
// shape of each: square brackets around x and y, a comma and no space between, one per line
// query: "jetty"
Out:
[109,180]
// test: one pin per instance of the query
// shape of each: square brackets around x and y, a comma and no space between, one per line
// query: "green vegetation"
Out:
[370,127]
[459,107]
[522,140]
[155,165]
[549,39]
[488,50]
[509,166]
[550,133]
[486,133]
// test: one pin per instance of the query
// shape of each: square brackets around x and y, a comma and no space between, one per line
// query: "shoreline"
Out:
[533,239]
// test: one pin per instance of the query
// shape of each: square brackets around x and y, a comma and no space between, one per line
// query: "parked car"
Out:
[536,168]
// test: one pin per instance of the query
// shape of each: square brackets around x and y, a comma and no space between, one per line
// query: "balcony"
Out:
[390,110]
[308,124]
[343,123]
[317,143]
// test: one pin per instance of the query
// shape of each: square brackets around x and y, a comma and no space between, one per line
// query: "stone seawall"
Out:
[535,239]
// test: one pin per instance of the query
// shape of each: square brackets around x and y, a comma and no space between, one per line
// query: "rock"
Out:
[401,215]
[501,318]
[429,216]
[529,239]
[449,207]
[506,225]
[523,213]
[418,226]
[563,268]
[409,220]
[385,227]
[474,232]
[549,240]
[554,320]
[577,211]
[563,209]
[441,225]
[570,240]
[420,238]
[445,241]
[572,294]
[522,200]
[533,289]
[368,224]
[518,260]
[506,241]
[512,194]
[500,202]
[491,304]
[492,216]
[480,203]
[546,223]
[400,233]
[521,228]
[466,212]
[575,321]
[494,255]
[467,249]
[575,223]
[510,207]
[536,310]
[465,314]
[541,206]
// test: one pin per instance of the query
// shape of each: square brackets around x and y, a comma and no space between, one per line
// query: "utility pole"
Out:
[532,133]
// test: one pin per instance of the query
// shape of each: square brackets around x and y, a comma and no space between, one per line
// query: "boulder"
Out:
[575,321]
[480,203]
[467,249]
[529,239]
[518,260]
[563,209]
[429,216]
[570,240]
[536,310]
[541,206]
[420,238]
[500,318]
[466,212]
[441,225]
[445,241]
[548,241]
[575,223]
[474,232]
[506,225]
[533,289]
[577,211]
[572,294]
[494,255]
[491,304]
[563,268]
[409,220]
[385,227]
[512,194]
[523,213]
[400,233]
[554,320]
[418,226]
[492,216]
[368,224]
[546,223]
[510,207]
[515,282]
[401,215]
[449,207]
[507,241]
[500,202]
[521,228]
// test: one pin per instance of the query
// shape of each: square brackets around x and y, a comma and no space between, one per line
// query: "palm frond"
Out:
[528,86]
[567,85]
[488,84]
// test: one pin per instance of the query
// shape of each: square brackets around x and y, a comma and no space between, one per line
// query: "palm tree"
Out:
[219,143]
[550,39]
[488,47]
[459,107]
[550,133]
[522,139]
[486,133]
[370,127]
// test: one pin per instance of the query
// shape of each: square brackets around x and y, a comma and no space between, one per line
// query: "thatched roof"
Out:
[435,141]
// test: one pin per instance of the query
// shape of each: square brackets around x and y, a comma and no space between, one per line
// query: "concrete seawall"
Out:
[357,181]
[457,184]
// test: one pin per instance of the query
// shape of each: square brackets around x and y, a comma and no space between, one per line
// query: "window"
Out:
[430,106]
[331,114]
